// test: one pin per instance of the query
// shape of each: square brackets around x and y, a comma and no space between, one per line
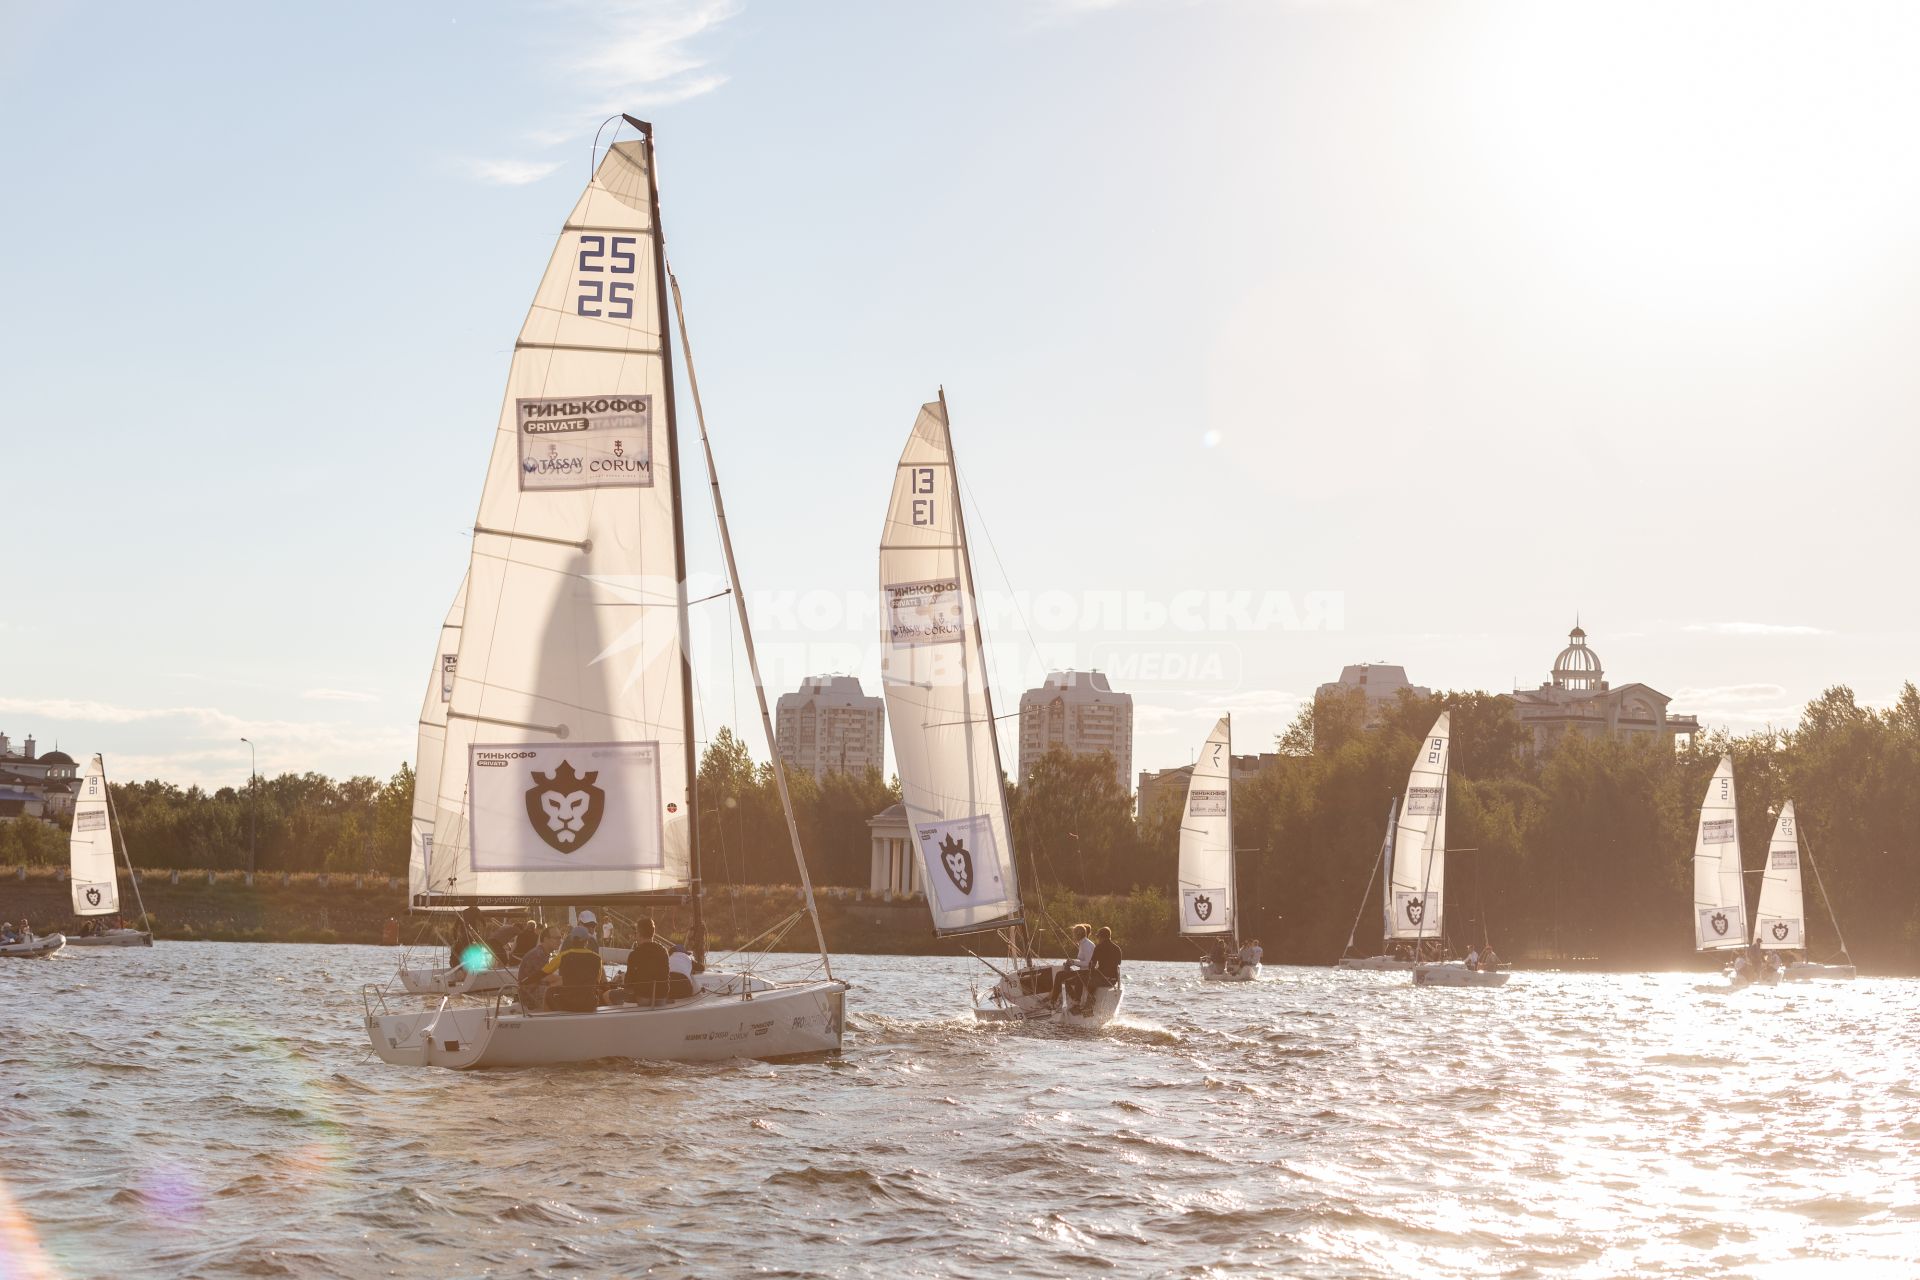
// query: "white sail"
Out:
[933,673]
[1780,918]
[1206,840]
[567,761]
[96,888]
[430,753]
[1386,870]
[1719,899]
[1419,866]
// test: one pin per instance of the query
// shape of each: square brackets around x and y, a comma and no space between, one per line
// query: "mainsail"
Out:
[430,754]
[96,887]
[1418,874]
[1719,899]
[1386,870]
[1780,919]
[1206,840]
[567,767]
[933,673]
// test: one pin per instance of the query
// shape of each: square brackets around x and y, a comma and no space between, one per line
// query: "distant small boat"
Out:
[1209,897]
[33,948]
[1383,872]
[93,872]
[1779,919]
[1719,896]
[1455,973]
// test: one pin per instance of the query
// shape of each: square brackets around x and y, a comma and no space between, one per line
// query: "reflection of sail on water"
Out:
[933,674]
[429,755]
[1206,840]
[1417,874]
[1719,899]
[1779,919]
[96,884]
[567,760]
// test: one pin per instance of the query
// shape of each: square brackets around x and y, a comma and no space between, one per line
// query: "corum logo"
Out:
[1780,930]
[565,808]
[1718,921]
[1202,906]
[957,863]
[93,896]
[1416,910]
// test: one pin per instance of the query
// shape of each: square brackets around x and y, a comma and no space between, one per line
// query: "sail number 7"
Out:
[602,256]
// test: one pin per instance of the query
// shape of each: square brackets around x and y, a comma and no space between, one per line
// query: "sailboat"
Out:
[1209,902]
[1418,874]
[1719,897]
[1383,871]
[429,764]
[95,875]
[1779,919]
[940,711]
[567,765]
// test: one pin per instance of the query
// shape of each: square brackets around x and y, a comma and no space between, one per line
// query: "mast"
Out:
[1233,854]
[132,879]
[1379,867]
[699,935]
[986,685]
[1833,917]
[746,634]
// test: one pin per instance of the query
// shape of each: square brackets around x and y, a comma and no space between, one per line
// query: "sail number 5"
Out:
[600,256]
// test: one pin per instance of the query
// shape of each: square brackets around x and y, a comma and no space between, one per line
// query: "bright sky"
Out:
[1428,324]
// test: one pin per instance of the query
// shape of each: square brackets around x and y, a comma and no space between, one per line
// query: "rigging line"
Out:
[1005,577]
[1833,917]
[746,633]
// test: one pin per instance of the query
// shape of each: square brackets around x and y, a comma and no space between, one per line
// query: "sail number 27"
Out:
[603,255]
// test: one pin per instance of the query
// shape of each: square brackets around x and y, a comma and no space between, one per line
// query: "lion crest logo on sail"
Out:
[1416,911]
[957,862]
[93,895]
[1718,923]
[565,808]
[1203,906]
[1780,930]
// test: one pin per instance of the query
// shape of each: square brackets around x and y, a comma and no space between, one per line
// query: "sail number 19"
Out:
[609,256]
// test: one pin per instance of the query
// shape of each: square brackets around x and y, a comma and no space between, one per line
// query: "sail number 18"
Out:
[602,255]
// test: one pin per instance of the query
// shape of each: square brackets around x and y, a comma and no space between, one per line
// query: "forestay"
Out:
[1418,872]
[565,770]
[430,750]
[1719,899]
[96,887]
[933,673]
[1779,919]
[1206,840]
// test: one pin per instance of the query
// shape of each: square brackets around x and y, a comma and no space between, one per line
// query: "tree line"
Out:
[1581,853]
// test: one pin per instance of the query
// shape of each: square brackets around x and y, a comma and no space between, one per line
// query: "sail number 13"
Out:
[921,480]
[603,256]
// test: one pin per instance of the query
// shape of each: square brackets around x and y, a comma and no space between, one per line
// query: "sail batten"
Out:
[1417,875]
[1207,902]
[1719,897]
[933,676]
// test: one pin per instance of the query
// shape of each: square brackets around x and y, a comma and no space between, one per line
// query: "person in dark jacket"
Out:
[578,965]
[1106,959]
[647,972]
[533,969]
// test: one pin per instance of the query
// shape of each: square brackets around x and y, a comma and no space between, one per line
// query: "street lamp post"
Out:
[253,800]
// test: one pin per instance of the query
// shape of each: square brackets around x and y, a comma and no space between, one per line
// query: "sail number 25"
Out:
[605,256]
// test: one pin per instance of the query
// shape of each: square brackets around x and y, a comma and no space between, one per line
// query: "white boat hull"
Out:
[441,982]
[1374,963]
[1244,973]
[721,1022]
[113,938]
[1007,1003]
[1458,975]
[35,949]
[1811,971]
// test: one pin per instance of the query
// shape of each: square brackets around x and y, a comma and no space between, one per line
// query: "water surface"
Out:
[210,1109]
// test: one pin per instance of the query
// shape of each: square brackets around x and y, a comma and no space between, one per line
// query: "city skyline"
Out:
[1437,410]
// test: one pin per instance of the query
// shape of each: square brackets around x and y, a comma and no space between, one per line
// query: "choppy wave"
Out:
[206,1109]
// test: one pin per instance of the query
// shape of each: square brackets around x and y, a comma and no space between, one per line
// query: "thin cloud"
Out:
[1733,693]
[644,58]
[511,173]
[337,695]
[1755,629]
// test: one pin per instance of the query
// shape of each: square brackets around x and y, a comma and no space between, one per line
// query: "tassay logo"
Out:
[565,808]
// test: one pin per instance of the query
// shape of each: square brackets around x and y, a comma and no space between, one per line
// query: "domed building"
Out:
[1577,698]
